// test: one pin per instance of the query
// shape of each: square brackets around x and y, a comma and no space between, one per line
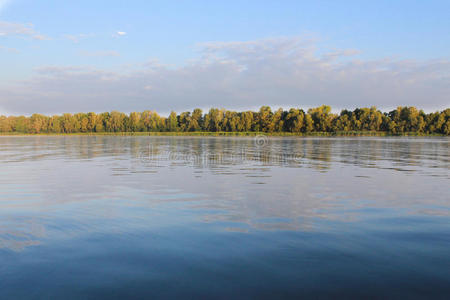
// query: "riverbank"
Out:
[220,133]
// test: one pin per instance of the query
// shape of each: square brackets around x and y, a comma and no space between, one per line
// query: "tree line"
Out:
[294,120]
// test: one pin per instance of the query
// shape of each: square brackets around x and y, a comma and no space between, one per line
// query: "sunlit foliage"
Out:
[320,119]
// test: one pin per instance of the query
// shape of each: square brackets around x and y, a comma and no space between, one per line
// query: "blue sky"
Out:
[41,34]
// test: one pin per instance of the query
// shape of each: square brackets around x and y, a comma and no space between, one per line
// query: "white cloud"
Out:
[18,29]
[119,34]
[284,72]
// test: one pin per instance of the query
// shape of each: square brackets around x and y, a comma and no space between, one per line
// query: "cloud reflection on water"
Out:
[74,185]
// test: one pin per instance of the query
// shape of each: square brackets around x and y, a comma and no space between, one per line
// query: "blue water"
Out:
[224,218]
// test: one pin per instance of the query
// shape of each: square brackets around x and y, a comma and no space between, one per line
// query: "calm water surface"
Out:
[186,217]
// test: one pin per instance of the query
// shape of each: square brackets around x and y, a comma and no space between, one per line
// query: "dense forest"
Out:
[399,121]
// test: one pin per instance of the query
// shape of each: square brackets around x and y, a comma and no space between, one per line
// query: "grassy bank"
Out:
[201,133]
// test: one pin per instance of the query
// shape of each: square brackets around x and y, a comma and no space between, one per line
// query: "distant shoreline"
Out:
[234,134]
[317,121]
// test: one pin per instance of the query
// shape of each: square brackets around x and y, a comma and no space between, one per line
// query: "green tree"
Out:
[295,120]
[196,120]
[172,122]
[322,118]
[265,119]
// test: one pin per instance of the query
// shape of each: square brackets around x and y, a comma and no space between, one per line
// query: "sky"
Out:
[82,56]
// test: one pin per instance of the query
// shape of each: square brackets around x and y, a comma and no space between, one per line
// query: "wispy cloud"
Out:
[10,50]
[99,53]
[284,72]
[76,38]
[119,34]
[18,29]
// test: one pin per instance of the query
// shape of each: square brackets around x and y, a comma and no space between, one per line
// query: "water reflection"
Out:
[18,233]
[55,185]
[205,151]
[174,217]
